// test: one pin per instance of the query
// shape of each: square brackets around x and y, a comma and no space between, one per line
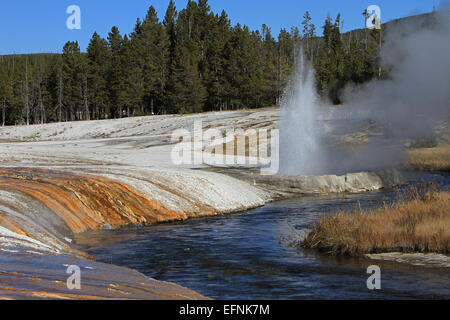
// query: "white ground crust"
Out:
[9,241]
[137,152]
[417,259]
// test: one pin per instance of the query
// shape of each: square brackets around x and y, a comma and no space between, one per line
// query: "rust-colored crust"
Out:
[69,203]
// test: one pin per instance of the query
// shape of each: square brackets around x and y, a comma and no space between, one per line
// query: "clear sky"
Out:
[34,26]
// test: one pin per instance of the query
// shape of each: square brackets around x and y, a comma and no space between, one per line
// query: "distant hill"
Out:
[413,22]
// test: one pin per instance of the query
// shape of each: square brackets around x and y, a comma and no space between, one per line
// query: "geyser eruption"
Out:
[377,119]
[300,134]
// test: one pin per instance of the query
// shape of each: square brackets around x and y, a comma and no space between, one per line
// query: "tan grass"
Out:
[430,159]
[419,223]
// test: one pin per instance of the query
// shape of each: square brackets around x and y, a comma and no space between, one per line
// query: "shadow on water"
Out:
[246,255]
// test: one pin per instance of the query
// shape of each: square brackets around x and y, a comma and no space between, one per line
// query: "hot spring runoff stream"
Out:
[248,255]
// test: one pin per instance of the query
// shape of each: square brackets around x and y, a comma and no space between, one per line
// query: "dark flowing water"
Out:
[247,255]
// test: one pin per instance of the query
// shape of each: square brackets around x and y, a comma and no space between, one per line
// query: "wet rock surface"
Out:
[41,210]
[25,275]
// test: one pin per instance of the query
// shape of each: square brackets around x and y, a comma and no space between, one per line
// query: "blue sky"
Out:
[30,26]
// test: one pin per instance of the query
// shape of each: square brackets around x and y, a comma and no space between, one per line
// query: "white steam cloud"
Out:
[408,105]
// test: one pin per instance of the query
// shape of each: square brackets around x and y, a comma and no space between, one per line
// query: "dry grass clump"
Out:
[418,222]
[430,159]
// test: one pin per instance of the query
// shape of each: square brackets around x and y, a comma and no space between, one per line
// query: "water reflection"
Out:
[247,255]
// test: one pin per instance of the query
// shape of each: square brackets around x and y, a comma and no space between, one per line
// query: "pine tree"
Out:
[150,54]
[330,65]
[270,70]
[98,57]
[355,67]
[309,32]
[6,92]
[188,88]
[170,26]
[73,80]
[285,48]
[373,53]
[115,73]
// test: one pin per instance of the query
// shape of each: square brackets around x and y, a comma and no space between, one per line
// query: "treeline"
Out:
[192,61]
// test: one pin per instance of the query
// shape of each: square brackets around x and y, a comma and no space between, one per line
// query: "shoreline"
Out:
[49,206]
[427,260]
[67,178]
[416,223]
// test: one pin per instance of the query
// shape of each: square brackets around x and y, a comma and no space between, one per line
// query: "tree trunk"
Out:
[4,112]
[60,97]
[27,107]
[86,102]
[41,104]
